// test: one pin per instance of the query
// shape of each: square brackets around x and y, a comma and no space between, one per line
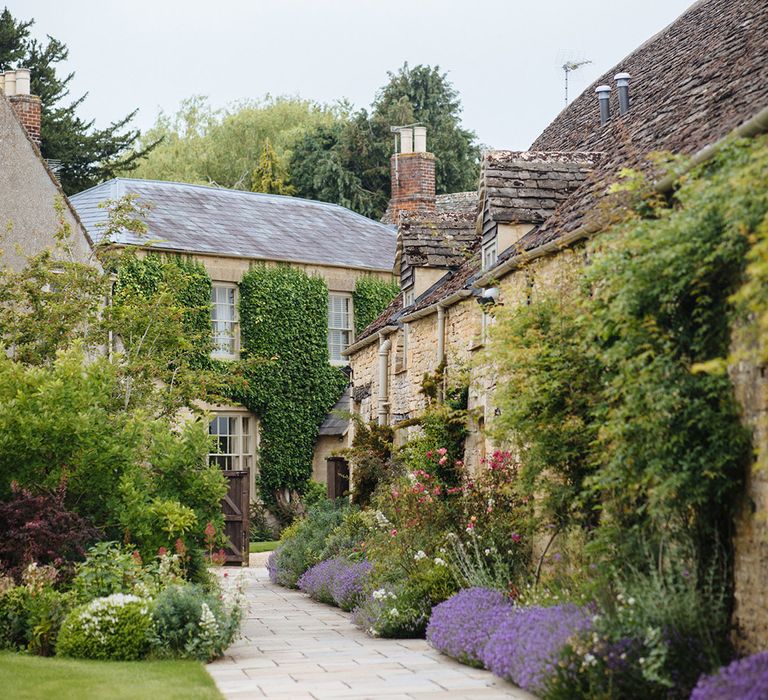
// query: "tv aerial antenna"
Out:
[568,68]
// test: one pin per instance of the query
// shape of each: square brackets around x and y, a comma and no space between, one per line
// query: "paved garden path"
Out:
[294,648]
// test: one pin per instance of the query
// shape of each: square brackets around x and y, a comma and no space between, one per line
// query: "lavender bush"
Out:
[462,625]
[525,648]
[317,581]
[347,588]
[336,581]
[746,679]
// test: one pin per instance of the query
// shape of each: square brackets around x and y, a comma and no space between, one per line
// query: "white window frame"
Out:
[241,432]
[409,297]
[340,329]
[234,323]
[490,254]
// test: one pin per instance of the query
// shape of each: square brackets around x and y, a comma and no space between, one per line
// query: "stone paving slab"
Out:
[294,648]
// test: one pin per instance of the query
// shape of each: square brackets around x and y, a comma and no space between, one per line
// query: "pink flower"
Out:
[429,453]
[393,532]
[442,451]
[516,538]
[443,460]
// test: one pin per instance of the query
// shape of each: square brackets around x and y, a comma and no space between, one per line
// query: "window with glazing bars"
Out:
[223,320]
[233,447]
[339,325]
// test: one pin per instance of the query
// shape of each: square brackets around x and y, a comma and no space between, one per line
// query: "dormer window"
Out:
[490,254]
[409,298]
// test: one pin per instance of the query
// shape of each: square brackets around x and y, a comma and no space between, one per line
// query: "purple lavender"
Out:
[347,587]
[272,567]
[525,647]
[317,581]
[746,679]
[462,625]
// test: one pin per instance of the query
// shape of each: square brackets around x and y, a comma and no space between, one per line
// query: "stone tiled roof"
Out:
[385,318]
[692,84]
[455,202]
[253,225]
[526,187]
[442,240]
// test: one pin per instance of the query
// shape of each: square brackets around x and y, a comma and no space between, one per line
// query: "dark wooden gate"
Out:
[338,477]
[236,524]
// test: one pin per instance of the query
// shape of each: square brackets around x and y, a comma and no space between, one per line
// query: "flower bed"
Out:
[746,679]
[462,625]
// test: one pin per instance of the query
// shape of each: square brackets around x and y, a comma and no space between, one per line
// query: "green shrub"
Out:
[191,623]
[393,611]
[115,628]
[108,568]
[348,538]
[13,618]
[303,543]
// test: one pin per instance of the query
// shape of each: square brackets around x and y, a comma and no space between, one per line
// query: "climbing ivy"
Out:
[283,318]
[618,395]
[370,298]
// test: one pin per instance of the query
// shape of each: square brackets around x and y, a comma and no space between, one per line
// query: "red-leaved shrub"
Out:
[37,527]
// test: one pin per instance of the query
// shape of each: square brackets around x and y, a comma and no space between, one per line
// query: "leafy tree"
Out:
[348,163]
[87,155]
[269,175]
[224,147]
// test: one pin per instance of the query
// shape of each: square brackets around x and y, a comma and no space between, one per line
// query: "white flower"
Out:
[631,601]
[439,561]
[379,594]
[420,555]
[381,519]
[487,551]
[394,612]
[589,659]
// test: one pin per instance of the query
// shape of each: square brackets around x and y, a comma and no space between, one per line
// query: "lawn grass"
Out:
[257,547]
[35,678]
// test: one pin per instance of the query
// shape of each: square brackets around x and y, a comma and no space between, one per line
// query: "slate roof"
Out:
[335,422]
[525,187]
[217,221]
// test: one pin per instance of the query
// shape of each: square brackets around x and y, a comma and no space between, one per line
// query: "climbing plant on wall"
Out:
[370,298]
[283,319]
[640,419]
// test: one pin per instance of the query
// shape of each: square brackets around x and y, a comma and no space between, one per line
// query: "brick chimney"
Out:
[412,173]
[15,85]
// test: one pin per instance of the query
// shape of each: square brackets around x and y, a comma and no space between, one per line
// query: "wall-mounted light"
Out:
[489,297]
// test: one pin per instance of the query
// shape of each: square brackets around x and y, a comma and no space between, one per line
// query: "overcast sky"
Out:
[504,57]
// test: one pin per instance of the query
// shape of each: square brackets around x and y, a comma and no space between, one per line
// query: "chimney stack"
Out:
[622,85]
[412,173]
[604,96]
[15,85]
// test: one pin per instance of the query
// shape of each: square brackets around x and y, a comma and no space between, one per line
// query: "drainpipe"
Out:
[440,335]
[383,408]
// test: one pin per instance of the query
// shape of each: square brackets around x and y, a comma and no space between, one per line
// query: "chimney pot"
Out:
[604,96]
[406,140]
[22,81]
[10,83]
[420,139]
[622,85]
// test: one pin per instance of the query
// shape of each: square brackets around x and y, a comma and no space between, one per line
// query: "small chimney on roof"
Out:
[16,86]
[412,173]
[622,85]
[604,96]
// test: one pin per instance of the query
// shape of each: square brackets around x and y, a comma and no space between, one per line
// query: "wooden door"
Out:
[236,523]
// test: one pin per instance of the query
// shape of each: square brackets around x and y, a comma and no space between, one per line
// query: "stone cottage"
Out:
[701,79]
[228,231]
[29,190]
